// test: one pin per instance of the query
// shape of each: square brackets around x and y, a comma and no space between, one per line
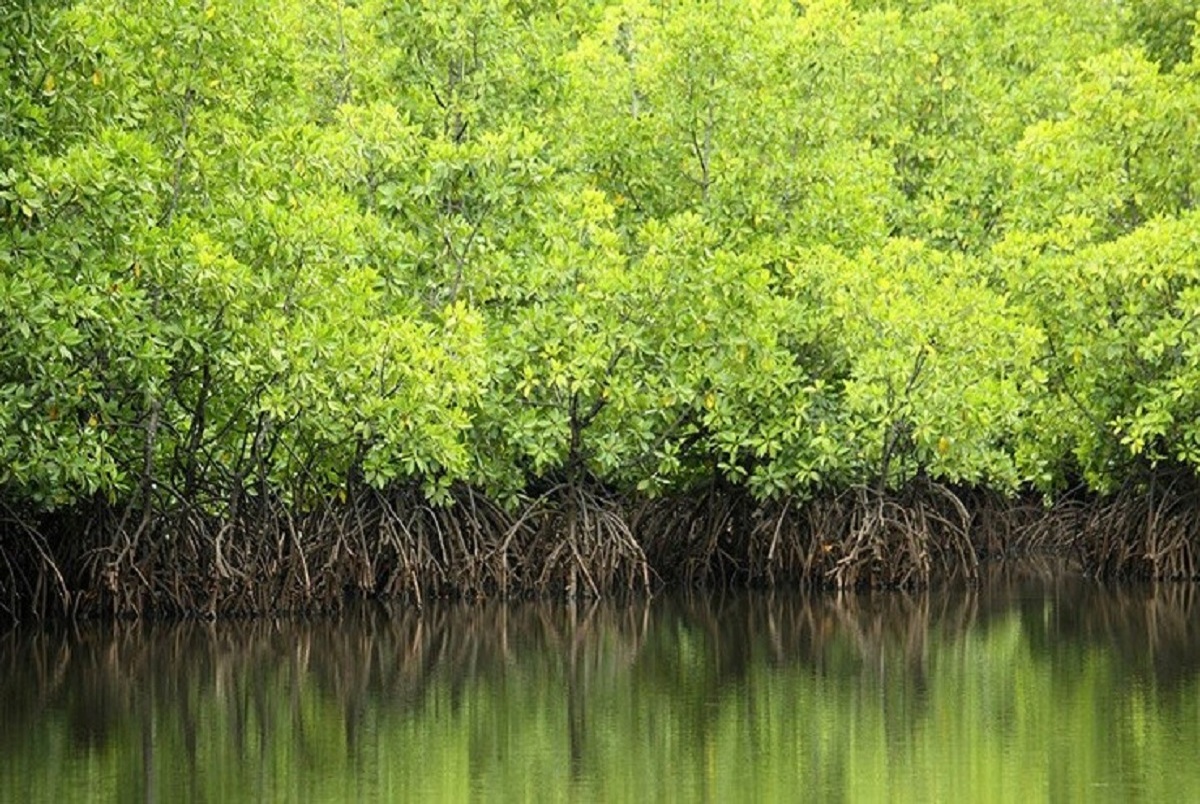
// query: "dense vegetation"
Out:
[518,294]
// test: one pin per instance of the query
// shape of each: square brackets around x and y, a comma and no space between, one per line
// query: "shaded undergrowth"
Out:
[257,555]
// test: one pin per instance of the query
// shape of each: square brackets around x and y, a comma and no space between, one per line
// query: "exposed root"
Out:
[1149,533]
[578,542]
[254,554]
[31,578]
[866,538]
[860,538]
[698,538]
[259,556]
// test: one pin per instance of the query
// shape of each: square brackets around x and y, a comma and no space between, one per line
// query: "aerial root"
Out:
[258,555]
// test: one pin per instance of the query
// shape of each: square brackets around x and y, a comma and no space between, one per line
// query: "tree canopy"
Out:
[277,249]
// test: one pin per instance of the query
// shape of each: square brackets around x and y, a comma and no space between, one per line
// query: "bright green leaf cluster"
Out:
[280,250]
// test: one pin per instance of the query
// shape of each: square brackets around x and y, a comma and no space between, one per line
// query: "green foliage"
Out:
[1125,154]
[940,367]
[1121,325]
[81,345]
[1165,28]
[283,249]
[685,108]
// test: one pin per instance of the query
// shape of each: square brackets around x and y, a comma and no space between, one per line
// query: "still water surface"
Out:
[1035,685]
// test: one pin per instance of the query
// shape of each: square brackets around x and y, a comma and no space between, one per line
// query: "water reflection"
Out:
[1037,682]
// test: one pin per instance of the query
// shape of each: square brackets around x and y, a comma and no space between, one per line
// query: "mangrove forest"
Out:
[302,302]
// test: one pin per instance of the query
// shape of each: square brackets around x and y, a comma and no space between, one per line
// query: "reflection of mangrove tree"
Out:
[1027,683]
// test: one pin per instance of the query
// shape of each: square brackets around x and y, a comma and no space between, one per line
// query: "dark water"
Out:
[1034,686]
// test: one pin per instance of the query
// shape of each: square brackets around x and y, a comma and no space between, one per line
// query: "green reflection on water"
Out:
[1023,689]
